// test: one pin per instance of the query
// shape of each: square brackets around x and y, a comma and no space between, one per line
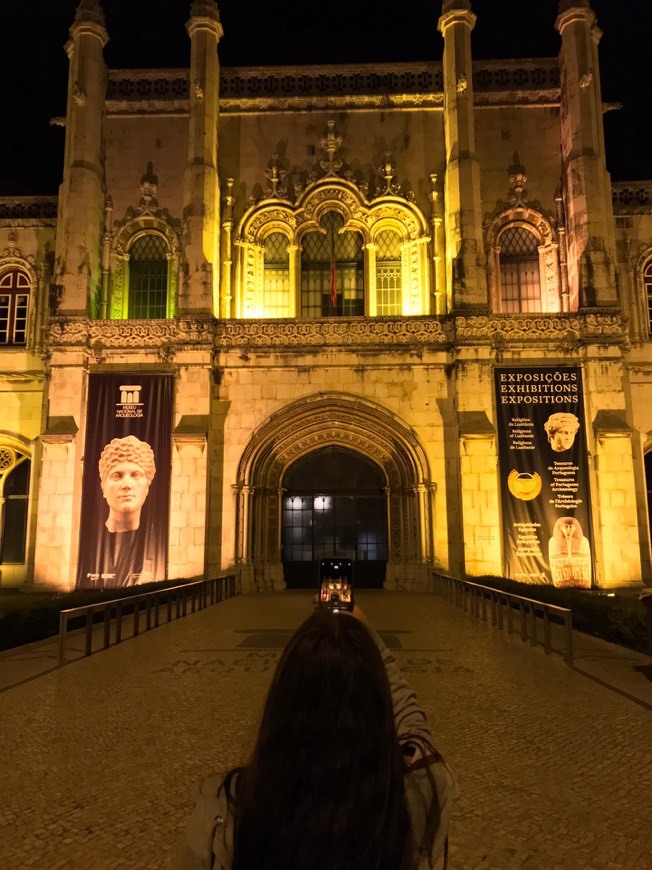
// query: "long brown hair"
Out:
[324,787]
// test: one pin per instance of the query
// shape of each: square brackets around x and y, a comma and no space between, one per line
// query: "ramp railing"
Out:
[478,600]
[148,610]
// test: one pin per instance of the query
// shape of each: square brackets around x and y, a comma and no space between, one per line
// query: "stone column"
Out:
[464,240]
[80,221]
[227,251]
[201,182]
[591,242]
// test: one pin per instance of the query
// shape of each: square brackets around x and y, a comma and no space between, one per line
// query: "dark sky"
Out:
[146,33]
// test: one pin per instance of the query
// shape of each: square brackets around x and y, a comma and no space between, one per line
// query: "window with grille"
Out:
[647,280]
[332,258]
[13,506]
[276,291]
[388,274]
[520,283]
[148,277]
[14,305]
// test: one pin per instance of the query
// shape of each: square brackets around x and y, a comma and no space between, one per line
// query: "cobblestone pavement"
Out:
[99,757]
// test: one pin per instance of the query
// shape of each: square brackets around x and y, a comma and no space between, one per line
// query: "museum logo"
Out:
[129,404]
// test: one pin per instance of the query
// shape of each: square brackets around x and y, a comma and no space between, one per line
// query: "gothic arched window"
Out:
[276,289]
[388,274]
[14,305]
[332,271]
[520,280]
[647,285]
[148,277]
[14,503]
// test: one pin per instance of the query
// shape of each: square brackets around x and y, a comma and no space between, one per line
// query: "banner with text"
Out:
[126,483]
[544,475]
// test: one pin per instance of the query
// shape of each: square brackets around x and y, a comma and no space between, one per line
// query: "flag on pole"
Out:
[333,278]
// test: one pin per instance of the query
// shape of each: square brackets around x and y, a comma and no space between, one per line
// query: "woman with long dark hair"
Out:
[343,775]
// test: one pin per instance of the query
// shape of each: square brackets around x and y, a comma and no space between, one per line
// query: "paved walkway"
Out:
[99,757]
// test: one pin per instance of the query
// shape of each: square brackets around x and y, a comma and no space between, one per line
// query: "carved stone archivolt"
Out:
[319,421]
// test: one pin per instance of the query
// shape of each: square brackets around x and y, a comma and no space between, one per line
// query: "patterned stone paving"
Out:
[98,758]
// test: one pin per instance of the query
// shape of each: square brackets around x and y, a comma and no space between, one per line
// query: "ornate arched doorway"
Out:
[334,506]
[354,424]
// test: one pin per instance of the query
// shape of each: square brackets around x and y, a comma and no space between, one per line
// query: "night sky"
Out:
[151,33]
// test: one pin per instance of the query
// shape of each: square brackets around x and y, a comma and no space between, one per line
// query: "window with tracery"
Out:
[14,504]
[276,290]
[332,271]
[520,280]
[388,274]
[647,282]
[148,277]
[14,306]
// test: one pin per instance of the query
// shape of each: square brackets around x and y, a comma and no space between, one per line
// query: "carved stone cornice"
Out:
[335,332]
[555,332]
[28,210]
[591,326]
[174,334]
[632,197]
[30,376]
[363,86]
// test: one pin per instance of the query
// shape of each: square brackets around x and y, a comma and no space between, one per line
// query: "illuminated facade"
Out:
[331,262]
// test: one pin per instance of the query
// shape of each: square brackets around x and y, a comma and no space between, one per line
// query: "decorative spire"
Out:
[90,11]
[564,5]
[455,6]
[205,9]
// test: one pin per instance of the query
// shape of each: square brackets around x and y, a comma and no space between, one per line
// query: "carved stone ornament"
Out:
[275,175]
[462,84]
[331,144]
[148,189]
[586,79]
[198,91]
[78,95]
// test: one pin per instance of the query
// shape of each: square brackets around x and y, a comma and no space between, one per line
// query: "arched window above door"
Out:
[333,224]
[148,277]
[332,270]
[520,280]
[276,291]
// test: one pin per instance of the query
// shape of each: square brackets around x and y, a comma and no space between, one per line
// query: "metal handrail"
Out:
[200,594]
[473,597]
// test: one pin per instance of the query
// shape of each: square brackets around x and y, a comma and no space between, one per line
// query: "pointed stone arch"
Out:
[348,421]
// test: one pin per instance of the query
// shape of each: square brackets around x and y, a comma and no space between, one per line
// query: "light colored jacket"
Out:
[208,839]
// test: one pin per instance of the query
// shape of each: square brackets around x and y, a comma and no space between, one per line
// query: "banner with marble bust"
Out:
[544,475]
[123,536]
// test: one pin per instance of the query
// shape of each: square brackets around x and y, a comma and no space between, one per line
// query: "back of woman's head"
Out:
[324,787]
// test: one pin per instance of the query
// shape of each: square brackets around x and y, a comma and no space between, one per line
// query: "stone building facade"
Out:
[336,260]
